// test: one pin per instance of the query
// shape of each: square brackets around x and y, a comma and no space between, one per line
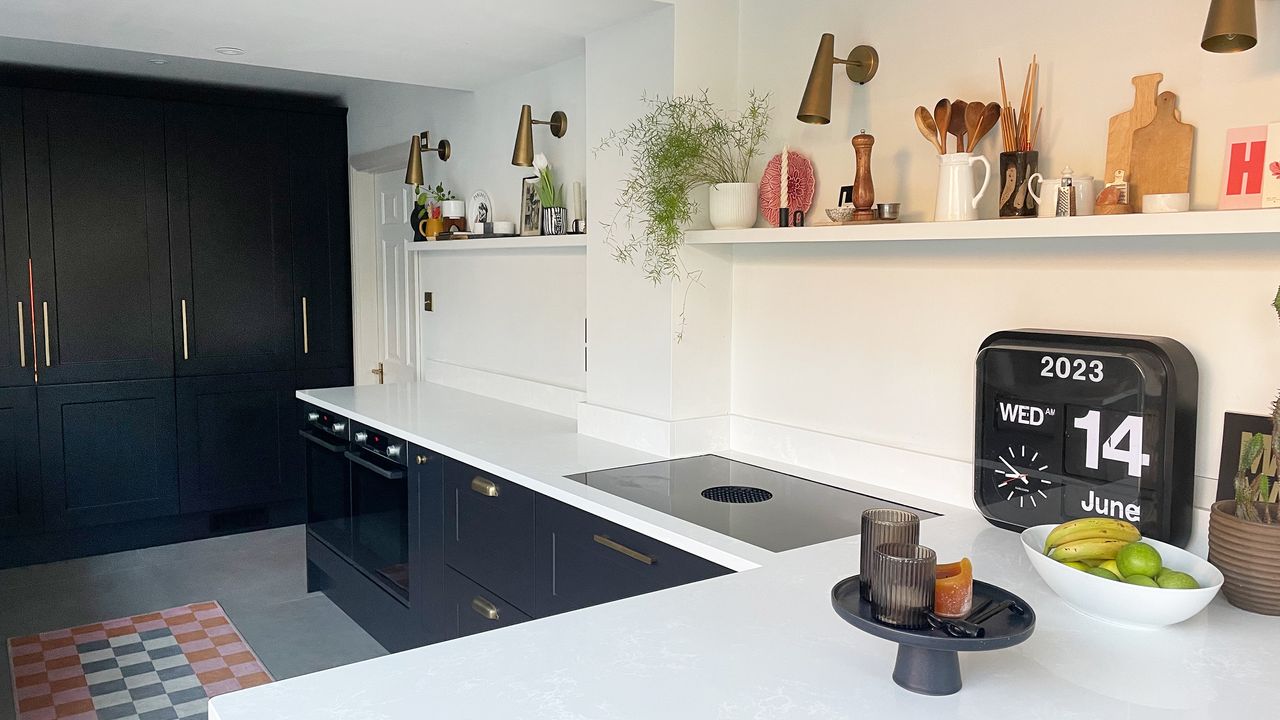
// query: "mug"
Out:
[1046,195]
[956,198]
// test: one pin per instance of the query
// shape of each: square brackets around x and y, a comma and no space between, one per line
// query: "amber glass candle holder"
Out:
[903,584]
[880,526]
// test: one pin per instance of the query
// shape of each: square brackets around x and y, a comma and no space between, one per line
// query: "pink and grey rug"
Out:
[158,666]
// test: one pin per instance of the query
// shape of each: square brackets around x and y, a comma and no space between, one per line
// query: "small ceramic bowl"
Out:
[1120,603]
[840,214]
[1166,203]
[888,211]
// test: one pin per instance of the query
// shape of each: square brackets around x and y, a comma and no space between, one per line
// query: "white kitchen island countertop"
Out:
[761,643]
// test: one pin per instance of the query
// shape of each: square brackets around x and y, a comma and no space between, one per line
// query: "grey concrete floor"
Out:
[259,578]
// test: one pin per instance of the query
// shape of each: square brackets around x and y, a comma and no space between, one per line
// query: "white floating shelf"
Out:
[535,242]
[1205,222]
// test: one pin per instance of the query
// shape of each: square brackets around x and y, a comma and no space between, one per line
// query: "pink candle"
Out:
[782,199]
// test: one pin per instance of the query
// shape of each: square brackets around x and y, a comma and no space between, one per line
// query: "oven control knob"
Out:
[313,416]
[393,451]
[361,436]
[339,427]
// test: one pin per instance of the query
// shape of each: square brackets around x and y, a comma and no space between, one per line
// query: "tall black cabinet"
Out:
[176,262]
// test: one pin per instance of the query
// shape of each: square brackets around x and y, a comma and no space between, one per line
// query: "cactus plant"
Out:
[1258,498]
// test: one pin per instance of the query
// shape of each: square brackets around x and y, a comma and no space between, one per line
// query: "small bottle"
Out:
[1066,206]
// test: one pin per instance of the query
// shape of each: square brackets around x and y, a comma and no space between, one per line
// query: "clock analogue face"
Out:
[1021,477]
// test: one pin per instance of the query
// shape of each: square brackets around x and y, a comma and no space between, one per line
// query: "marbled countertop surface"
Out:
[761,643]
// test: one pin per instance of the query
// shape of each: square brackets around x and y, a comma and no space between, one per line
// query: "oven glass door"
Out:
[328,489]
[380,520]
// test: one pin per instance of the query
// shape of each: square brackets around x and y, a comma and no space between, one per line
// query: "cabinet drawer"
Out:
[585,560]
[489,532]
[471,609]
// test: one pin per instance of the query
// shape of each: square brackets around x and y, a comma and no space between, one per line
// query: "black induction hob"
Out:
[765,508]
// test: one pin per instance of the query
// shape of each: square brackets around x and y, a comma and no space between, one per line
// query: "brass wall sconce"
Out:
[860,66]
[523,153]
[1232,26]
[413,174]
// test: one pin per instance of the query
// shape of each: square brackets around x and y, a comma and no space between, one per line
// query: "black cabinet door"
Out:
[471,609]
[238,442]
[17,348]
[488,532]
[426,474]
[107,452]
[99,237]
[585,560]
[321,240]
[20,510]
[230,247]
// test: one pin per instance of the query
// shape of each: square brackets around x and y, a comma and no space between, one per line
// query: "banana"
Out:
[1088,549]
[1092,527]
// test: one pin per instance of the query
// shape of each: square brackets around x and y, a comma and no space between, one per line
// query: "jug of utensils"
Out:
[1048,190]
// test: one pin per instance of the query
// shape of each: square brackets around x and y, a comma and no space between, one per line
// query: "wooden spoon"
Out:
[942,119]
[957,126]
[972,122]
[989,117]
[924,122]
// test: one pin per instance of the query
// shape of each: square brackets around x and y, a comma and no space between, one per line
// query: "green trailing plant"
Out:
[549,194]
[1258,497]
[679,144]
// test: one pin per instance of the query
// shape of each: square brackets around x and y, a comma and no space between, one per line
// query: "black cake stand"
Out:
[927,660]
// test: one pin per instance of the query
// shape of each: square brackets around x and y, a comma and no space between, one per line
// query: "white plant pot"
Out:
[453,208]
[733,206]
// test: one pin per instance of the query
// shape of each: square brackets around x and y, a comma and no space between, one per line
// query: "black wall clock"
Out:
[1077,424]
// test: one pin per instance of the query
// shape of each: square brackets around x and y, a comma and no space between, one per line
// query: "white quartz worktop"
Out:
[762,643]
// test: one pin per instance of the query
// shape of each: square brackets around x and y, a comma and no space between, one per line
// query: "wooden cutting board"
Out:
[1120,128]
[1161,153]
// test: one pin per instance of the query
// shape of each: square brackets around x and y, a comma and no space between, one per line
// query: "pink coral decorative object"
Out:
[800,185]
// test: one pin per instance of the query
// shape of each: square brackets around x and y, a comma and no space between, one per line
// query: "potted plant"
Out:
[551,198]
[431,206]
[1244,533]
[682,143]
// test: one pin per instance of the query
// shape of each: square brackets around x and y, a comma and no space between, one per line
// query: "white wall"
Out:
[381,114]
[877,342]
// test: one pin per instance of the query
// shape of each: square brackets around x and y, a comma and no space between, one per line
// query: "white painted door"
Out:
[395,284]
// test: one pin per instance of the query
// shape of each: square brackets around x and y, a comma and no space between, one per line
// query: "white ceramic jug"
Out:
[1046,193]
[956,198]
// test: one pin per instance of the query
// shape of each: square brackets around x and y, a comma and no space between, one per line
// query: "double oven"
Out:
[358,497]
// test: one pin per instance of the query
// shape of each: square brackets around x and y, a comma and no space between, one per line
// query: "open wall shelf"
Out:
[534,242]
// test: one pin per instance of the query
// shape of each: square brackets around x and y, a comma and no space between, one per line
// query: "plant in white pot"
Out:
[679,144]
[1244,533]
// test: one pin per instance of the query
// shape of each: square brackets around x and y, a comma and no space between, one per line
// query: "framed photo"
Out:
[530,207]
[479,210]
[1236,431]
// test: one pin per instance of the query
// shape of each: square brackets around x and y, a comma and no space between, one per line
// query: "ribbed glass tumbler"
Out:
[880,526]
[902,586]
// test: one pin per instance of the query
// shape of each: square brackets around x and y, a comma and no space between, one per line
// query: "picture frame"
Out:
[1237,428]
[530,207]
[479,210]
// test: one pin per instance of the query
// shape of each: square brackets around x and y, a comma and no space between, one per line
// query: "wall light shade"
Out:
[522,155]
[1232,26]
[860,67]
[413,175]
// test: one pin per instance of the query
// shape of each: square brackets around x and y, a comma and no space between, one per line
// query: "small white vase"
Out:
[733,206]
[453,208]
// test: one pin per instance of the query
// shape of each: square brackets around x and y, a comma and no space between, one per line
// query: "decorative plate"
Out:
[479,208]
[800,184]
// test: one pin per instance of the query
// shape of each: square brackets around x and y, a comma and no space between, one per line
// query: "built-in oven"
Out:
[328,477]
[380,500]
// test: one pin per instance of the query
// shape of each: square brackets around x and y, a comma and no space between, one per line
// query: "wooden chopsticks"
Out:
[1016,128]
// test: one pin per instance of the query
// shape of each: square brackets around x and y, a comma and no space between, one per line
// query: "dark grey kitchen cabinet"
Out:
[229,239]
[16,343]
[97,208]
[107,452]
[237,441]
[471,609]
[584,560]
[20,508]
[488,534]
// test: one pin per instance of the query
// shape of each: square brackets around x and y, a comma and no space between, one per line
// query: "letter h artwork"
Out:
[1251,168]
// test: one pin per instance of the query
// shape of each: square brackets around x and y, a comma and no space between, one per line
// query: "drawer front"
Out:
[585,560]
[489,532]
[471,609]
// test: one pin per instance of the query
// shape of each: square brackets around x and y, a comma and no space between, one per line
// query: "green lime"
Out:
[1092,563]
[1107,574]
[1142,580]
[1175,580]
[1139,559]
[1076,564]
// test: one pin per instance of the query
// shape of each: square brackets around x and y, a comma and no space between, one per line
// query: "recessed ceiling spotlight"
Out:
[228,50]
[157,61]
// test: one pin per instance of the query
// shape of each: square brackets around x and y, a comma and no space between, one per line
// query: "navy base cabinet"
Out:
[20,508]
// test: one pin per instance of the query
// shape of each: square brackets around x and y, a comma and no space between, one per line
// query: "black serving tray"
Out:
[927,661]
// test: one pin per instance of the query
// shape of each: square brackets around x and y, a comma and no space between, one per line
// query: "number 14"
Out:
[1130,428]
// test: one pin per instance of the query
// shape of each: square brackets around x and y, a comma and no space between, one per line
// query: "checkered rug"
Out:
[159,666]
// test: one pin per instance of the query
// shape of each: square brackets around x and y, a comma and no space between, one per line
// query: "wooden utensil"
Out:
[929,129]
[942,118]
[1161,153]
[972,120]
[990,115]
[957,125]
[1121,126]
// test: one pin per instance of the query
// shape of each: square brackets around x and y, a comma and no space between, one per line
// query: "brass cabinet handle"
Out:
[185,354]
[484,486]
[306,339]
[485,609]
[22,338]
[45,307]
[422,459]
[619,547]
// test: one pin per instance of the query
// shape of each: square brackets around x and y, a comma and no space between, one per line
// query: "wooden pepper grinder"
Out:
[864,191]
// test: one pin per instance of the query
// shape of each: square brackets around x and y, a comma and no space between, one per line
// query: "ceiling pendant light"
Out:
[413,173]
[1232,26]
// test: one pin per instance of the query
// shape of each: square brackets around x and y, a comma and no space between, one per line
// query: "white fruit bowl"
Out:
[1120,603]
